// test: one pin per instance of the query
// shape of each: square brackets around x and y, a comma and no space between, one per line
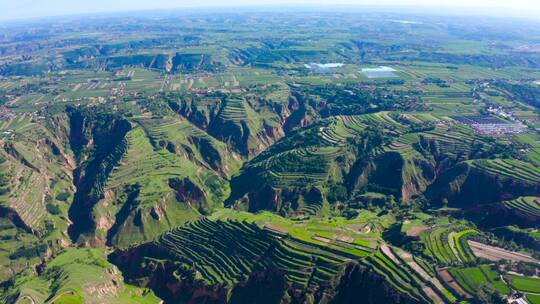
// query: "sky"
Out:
[22,9]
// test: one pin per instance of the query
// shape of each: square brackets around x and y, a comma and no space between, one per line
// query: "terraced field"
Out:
[234,110]
[308,158]
[527,205]
[228,251]
[17,122]
[299,167]
[406,275]
[193,144]
[231,250]
[414,179]
[149,170]
[533,298]
[75,275]
[351,236]
[448,245]
[472,278]
[452,141]
[404,146]
[383,119]
[510,168]
[244,157]
[32,171]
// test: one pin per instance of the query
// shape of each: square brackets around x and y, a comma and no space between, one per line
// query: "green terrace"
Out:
[526,205]
[472,278]
[448,245]
[226,251]
[510,168]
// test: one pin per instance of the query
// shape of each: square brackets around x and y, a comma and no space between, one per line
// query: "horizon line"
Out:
[469,11]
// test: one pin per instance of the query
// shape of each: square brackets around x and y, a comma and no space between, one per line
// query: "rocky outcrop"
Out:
[188,192]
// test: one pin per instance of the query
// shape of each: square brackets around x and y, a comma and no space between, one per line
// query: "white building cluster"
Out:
[498,128]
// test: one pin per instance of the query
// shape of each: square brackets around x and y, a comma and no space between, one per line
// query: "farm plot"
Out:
[400,275]
[449,281]
[227,251]
[533,298]
[524,284]
[433,288]
[529,206]
[410,275]
[472,278]
[496,254]
[311,161]
[447,245]
[509,168]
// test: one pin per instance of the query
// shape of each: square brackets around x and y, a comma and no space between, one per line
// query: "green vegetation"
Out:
[238,248]
[472,278]
[509,168]
[527,205]
[400,276]
[533,299]
[218,157]
[77,275]
[524,284]
[448,245]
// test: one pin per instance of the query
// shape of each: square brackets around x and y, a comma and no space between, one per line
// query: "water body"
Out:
[380,72]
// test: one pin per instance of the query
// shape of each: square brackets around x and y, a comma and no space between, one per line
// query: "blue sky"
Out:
[19,9]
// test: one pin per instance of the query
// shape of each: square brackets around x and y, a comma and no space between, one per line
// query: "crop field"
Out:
[405,273]
[212,156]
[237,248]
[524,284]
[509,168]
[471,278]
[76,274]
[533,298]
[495,253]
[151,171]
[526,205]
[348,235]
[464,72]
[448,245]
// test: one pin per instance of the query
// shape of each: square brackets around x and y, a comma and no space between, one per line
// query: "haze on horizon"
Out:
[22,9]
